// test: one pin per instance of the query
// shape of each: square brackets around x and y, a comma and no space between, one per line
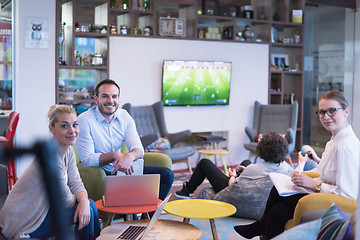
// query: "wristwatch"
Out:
[318,187]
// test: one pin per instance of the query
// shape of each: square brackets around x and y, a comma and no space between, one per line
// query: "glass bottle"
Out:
[126,4]
[147,5]
[62,50]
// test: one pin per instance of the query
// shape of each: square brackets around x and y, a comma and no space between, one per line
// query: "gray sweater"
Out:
[27,204]
[262,169]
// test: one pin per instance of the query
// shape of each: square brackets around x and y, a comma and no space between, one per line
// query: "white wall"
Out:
[136,64]
[34,76]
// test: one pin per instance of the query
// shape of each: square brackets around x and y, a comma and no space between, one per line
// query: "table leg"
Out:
[199,158]
[128,217]
[108,222]
[186,220]
[224,164]
[213,229]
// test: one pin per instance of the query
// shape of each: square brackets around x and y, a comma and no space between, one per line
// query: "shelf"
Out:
[120,11]
[90,34]
[99,12]
[286,45]
[82,67]
[286,24]
[90,100]
[286,72]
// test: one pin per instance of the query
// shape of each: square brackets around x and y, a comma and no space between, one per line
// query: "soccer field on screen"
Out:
[196,86]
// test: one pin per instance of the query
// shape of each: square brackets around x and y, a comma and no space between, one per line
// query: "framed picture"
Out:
[280,60]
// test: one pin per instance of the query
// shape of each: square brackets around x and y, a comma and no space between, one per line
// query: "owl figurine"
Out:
[36,33]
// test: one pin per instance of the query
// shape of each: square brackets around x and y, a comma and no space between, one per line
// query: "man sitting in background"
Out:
[104,128]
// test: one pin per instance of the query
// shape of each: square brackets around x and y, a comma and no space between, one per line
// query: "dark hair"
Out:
[272,148]
[106,81]
[337,96]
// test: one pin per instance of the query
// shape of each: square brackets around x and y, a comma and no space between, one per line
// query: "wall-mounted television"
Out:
[188,83]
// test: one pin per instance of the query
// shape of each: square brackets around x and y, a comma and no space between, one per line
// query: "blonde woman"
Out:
[26,210]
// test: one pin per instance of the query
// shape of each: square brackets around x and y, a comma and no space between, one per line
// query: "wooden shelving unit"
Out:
[225,15]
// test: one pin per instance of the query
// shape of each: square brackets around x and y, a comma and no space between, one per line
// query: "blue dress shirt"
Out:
[98,136]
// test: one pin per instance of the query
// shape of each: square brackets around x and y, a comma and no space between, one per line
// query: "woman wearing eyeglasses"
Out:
[338,168]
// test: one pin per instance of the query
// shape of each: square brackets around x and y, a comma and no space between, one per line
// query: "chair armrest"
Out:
[311,174]
[157,159]
[320,201]
[94,181]
[4,188]
[291,134]
[251,133]
[148,139]
[174,138]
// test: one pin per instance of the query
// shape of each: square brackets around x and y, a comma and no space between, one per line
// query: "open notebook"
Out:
[285,186]
[132,232]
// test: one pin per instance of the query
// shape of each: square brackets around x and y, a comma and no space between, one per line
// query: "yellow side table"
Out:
[212,153]
[200,209]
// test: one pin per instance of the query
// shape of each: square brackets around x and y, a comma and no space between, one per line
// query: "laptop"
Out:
[131,190]
[127,231]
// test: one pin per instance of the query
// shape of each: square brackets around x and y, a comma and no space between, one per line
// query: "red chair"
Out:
[12,123]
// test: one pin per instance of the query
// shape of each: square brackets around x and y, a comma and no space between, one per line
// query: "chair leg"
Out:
[288,157]
[188,164]
[252,154]
[11,173]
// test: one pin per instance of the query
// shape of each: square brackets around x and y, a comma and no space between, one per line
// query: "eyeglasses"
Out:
[330,112]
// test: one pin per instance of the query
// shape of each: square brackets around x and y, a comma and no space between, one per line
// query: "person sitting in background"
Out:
[272,148]
[338,169]
[313,159]
[26,210]
[103,130]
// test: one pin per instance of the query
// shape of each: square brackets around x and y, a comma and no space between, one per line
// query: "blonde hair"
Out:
[55,110]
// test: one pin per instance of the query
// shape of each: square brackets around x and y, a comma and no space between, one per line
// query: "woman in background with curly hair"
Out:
[272,149]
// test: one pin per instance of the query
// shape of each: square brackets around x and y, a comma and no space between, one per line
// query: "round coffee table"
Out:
[128,210]
[200,209]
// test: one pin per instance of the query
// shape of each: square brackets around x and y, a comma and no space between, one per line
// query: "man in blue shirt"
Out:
[104,128]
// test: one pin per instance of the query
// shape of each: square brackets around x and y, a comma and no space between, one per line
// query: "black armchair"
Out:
[150,124]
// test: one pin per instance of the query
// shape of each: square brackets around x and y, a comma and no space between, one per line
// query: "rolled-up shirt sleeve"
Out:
[85,144]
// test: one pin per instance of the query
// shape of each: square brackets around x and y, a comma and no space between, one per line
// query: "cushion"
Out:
[334,225]
[248,196]
[158,145]
[179,153]
[306,231]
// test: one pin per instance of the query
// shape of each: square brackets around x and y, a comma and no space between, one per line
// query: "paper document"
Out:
[285,186]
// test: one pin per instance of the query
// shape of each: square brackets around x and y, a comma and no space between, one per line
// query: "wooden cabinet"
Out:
[286,83]
[267,22]
[82,51]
